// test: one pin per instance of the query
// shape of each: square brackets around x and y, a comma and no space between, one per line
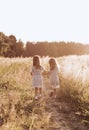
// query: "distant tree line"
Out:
[10,47]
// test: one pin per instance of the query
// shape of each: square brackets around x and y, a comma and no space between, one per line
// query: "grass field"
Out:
[19,111]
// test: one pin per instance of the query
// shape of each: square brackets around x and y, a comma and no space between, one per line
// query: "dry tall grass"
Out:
[18,110]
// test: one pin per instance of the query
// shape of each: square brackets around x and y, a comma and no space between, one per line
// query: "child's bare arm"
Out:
[31,73]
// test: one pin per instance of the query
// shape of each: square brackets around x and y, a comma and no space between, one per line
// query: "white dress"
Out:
[54,79]
[37,78]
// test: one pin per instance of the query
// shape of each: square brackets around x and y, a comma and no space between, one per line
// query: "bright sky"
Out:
[45,20]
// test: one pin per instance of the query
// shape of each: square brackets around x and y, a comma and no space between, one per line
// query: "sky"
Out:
[46,20]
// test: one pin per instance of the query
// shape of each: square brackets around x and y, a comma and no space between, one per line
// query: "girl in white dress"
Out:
[37,78]
[53,76]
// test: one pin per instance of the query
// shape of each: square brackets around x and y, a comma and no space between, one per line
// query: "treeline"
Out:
[10,47]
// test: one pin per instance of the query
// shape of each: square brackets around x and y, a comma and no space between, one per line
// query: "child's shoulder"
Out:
[41,67]
[57,68]
[33,67]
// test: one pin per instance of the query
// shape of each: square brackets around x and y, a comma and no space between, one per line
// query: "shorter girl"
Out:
[53,76]
[37,78]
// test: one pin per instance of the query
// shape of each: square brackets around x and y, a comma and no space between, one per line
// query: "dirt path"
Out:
[62,117]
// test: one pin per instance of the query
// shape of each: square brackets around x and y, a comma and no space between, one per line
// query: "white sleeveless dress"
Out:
[54,79]
[37,78]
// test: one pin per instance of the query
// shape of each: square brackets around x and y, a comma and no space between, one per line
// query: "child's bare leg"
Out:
[36,92]
[54,93]
[40,91]
[51,92]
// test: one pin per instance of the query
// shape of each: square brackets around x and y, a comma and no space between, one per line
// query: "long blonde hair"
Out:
[52,63]
[36,61]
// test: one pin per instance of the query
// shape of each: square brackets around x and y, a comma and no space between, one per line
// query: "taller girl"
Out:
[37,78]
